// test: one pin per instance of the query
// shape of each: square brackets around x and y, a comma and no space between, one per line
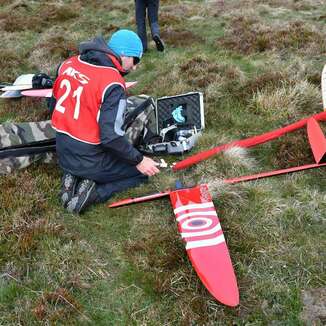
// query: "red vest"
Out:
[79,91]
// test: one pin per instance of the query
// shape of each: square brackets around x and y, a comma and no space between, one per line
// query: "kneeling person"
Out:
[95,155]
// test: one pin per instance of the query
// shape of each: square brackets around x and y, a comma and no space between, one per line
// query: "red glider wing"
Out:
[248,142]
[200,228]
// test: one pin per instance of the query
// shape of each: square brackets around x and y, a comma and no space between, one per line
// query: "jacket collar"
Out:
[117,64]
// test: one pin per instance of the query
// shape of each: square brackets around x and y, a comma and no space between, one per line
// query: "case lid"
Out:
[187,109]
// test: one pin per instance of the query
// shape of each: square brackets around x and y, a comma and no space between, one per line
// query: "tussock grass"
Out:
[248,35]
[7,66]
[292,150]
[294,5]
[40,17]
[178,37]
[287,100]
[180,10]
[26,109]
[201,72]
[52,48]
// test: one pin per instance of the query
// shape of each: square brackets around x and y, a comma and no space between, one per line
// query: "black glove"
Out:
[42,80]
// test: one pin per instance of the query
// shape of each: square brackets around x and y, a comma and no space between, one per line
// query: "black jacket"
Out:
[83,159]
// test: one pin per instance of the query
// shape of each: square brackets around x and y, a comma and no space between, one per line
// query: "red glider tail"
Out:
[317,140]
[201,230]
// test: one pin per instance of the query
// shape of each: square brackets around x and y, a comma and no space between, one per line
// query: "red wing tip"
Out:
[227,297]
[114,205]
[231,302]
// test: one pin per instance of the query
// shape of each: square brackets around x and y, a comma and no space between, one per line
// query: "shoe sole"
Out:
[72,192]
[158,43]
[86,197]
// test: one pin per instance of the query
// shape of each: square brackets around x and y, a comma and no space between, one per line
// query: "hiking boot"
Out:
[159,43]
[68,188]
[85,196]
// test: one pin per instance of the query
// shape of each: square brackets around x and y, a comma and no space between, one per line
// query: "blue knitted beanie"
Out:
[126,43]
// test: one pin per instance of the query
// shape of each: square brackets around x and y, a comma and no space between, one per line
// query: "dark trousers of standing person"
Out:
[151,6]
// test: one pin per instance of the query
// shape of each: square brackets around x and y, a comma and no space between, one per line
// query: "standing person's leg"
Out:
[140,11]
[153,6]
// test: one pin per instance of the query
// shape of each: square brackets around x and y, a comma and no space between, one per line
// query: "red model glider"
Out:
[197,220]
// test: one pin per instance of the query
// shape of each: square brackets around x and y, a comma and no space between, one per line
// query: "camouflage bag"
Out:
[20,134]
[139,119]
[14,135]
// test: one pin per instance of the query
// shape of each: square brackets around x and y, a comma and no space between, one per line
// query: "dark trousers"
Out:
[107,185]
[151,7]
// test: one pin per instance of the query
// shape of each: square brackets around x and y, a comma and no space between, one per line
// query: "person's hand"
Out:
[147,166]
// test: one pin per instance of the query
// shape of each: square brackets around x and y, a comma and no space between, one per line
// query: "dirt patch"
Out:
[314,306]
[248,35]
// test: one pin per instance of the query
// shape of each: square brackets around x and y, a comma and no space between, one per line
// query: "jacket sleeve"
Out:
[51,101]
[111,119]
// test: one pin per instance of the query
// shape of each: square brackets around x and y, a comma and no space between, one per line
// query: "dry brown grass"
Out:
[292,150]
[215,79]
[26,232]
[167,20]
[111,28]
[54,46]
[180,37]
[248,35]
[25,109]
[56,306]
[180,11]
[59,47]
[11,62]
[303,5]
[23,17]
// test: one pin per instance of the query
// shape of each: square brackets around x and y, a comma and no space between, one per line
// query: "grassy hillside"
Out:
[258,64]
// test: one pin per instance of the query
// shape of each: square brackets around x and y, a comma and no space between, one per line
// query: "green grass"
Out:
[128,266]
